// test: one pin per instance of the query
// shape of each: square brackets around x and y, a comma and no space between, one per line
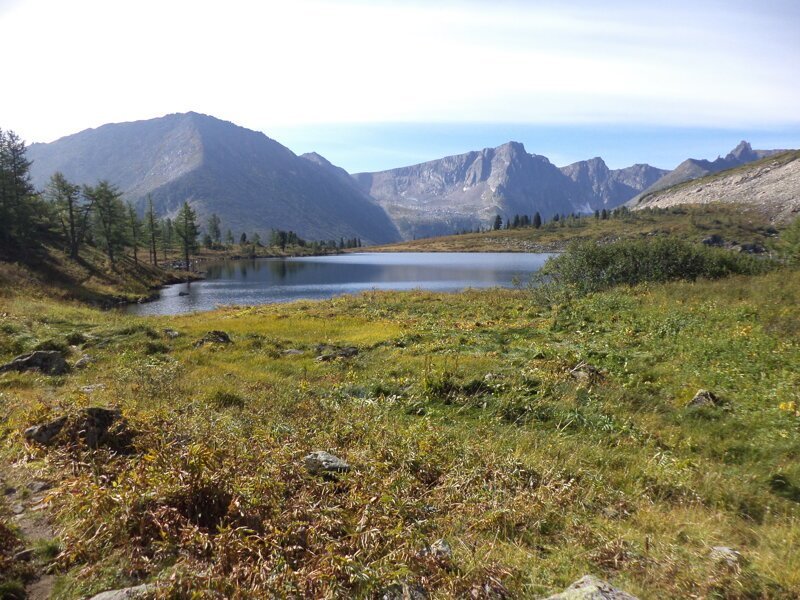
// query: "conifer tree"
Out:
[109,223]
[187,231]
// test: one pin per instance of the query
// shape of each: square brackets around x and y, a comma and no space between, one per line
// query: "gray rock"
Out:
[292,352]
[725,555]
[93,426]
[183,293]
[332,353]
[404,590]
[321,462]
[585,372]
[590,587]
[139,591]
[49,362]
[38,485]
[84,361]
[214,337]
[714,240]
[704,398]
[171,333]
[89,389]
[440,551]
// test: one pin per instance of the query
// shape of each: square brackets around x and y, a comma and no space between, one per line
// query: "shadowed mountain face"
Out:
[693,168]
[251,181]
[469,190]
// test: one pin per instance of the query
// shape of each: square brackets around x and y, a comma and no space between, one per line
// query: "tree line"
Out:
[73,216]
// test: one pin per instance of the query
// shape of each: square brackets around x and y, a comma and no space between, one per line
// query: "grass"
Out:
[689,223]
[463,418]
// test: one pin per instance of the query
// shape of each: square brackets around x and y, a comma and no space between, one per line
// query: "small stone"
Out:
[704,398]
[292,352]
[24,555]
[404,590]
[17,508]
[9,490]
[725,555]
[171,333]
[590,587]
[332,353]
[585,372]
[130,593]
[441,551]
[84,361]
[183,293]
[88,389]
[49,362]
[37,486]
[45,433]
[321,462]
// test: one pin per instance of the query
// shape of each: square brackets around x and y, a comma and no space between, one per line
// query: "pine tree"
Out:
[498,222]
[243,239]
[16,190]
[187,231]
[537,220]
[110,219]
[229,238]
[134,231]
[152,231]
[214,230]
[167,236]
[70,209]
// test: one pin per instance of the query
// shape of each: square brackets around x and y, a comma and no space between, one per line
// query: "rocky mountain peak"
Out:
[742,153]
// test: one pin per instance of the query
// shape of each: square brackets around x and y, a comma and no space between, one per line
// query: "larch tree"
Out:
[187,231]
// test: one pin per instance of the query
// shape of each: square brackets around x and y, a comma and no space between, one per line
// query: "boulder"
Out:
[49,362]
[704,398]
[585,372]
[322,463]
[714,240]
[93,427]
[171,333]
[139,591]
[214,337]
[590,587]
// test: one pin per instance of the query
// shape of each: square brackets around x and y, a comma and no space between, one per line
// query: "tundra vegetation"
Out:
[487,444]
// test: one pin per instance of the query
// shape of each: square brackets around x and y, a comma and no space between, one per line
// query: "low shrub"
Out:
[588,267]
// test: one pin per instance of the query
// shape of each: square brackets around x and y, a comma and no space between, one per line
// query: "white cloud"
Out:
[85,62]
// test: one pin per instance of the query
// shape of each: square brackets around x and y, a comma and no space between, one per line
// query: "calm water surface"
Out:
[267,280]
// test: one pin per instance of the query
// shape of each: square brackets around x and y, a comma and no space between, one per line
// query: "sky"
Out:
[375,84]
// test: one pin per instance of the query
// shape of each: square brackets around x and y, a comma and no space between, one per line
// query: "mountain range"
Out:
[254,183]
[251,181]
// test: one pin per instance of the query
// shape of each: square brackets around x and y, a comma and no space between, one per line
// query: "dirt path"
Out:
[28,500]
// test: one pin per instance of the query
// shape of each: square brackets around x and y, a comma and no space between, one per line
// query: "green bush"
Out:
[588,267]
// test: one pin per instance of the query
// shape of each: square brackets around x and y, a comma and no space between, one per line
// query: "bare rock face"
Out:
[93,427]
[49,362]
[590,587]
[322,463]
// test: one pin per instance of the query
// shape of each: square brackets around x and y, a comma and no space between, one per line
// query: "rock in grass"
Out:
[726,556]
[139,591]
[590,587]
[321,463]
[404,590]
[93,426]
[704,398]
[440,551]
[49,362]
[329,353]
[171,333]
[83,362]
[214,337]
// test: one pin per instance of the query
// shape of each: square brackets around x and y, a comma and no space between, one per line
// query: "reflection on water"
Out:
[267,280]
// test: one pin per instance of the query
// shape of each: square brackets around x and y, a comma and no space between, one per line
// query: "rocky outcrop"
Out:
[93,427]
[49,362]
[592,588]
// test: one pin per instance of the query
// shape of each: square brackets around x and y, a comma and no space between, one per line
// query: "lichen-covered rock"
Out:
[131,593]
[328,353]
[171,333]
[590,587]
[49,362]
[321,463]
[84,361]
[726,556]
[93,427]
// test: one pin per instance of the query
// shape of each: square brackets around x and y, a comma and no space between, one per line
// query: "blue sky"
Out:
[381,83]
